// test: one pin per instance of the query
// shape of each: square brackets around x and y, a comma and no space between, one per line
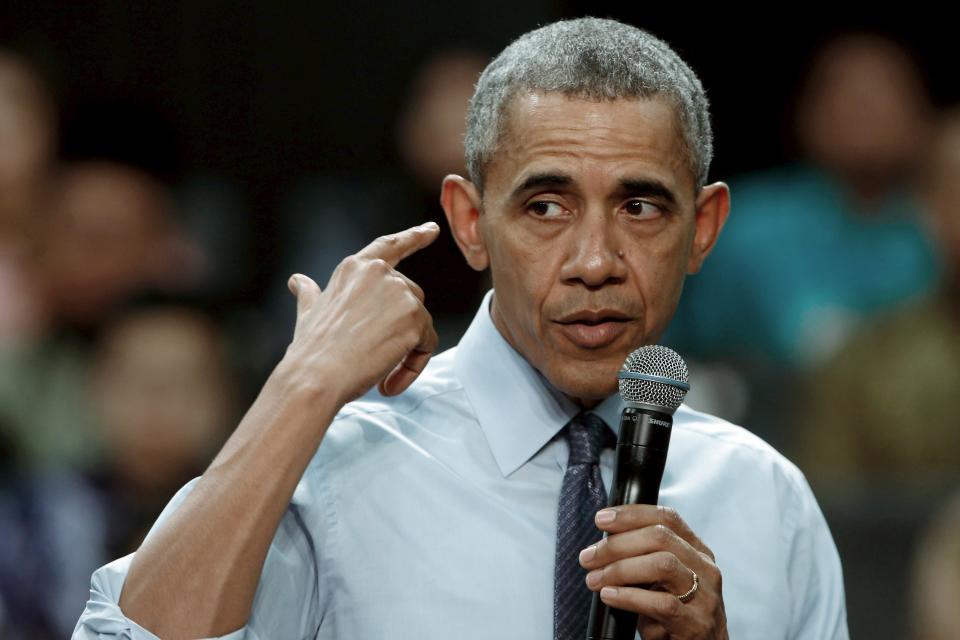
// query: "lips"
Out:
[594,329]
[594,317]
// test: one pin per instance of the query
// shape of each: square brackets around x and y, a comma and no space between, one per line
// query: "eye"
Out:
[636,209]
[545,209]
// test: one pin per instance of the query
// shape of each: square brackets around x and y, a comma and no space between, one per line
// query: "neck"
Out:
[585,403]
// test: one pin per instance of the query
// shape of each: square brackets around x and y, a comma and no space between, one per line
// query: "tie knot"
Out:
[588,434]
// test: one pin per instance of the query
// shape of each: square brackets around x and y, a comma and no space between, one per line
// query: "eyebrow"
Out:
[627,186]
[648,187]
[539,180]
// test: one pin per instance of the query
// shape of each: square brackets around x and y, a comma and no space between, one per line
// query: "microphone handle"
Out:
[641,456]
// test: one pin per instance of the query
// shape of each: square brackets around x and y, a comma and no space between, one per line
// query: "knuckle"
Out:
[628,515]
[427,318]
[412,310]
[432,338]
[410,338]
[665,563]
[609,547]
[654,632]
[412,326]
[611,574]
[712,573]
[389,240]
[669,517]
[707,553]
[661,535]
[379,265]
[704,628]
[668,607]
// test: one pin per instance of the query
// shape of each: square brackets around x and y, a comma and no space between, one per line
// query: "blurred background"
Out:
[164,167]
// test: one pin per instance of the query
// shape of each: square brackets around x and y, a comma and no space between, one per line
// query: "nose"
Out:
[595,257]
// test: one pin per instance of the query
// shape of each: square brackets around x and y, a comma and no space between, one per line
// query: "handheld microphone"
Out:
[653,382]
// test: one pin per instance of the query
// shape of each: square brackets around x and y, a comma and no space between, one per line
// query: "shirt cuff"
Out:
[102,618]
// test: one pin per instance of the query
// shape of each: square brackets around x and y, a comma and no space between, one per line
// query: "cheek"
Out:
[659,270]
[521,267]
[523,272]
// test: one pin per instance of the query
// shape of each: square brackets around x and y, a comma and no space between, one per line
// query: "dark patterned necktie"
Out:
[581,496]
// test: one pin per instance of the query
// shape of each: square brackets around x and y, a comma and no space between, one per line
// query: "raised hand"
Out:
[370,325]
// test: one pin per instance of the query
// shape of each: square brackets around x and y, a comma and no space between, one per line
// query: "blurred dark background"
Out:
[164,167]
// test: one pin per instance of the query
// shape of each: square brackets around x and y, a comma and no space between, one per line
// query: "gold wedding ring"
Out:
[696,585]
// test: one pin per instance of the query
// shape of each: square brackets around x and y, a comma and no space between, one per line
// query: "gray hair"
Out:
[594,58]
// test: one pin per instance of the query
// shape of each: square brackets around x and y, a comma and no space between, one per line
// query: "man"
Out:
[432,511]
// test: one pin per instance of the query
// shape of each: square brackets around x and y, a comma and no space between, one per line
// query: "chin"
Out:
[586,380]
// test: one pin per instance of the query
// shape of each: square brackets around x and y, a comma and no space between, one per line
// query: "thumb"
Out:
[306,291]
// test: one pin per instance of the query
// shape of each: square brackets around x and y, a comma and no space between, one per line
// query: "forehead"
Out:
[591,140]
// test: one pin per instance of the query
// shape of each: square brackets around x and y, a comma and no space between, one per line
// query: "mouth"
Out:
[594,329]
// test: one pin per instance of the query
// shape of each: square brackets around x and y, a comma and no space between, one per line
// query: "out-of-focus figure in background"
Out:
[164,393]
[85,386]
[105,231]
[814,249]
[110,232]
[163,396]
[935,584]
[888,403]
[876,429]
[27,143]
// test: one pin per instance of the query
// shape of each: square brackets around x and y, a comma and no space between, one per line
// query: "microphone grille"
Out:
[654,375]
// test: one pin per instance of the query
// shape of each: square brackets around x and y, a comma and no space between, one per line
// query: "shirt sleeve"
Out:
[814,572]
[288,602]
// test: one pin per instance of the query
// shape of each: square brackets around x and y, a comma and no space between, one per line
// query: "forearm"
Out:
[198,572]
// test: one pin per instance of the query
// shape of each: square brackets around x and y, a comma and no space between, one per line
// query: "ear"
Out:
[462,204]
[713,206]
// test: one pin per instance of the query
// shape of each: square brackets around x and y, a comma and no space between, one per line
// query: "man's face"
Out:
[589,223]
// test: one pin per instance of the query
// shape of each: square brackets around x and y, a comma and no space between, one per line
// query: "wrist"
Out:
[308,387]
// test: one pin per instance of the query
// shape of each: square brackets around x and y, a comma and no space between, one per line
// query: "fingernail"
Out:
[606,516]
[587,554]
[593,578]
[430,225]
[292,284]
[608,592]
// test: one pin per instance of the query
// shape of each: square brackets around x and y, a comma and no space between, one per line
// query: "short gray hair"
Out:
[594,58]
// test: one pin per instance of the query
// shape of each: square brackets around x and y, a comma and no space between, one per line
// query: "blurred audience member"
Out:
[105,232]
[162,387]
[813,249]
[27,141]
[110,231]
[164,394]
[888,402]
[432,122]
[935,592]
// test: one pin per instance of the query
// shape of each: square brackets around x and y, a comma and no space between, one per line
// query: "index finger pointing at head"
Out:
[395,247]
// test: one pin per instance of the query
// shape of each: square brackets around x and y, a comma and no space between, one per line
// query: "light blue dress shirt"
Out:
[432,515]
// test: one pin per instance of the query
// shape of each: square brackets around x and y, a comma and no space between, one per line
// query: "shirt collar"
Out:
[518,409]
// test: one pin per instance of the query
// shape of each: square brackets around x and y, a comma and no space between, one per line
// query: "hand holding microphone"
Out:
[650,572]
